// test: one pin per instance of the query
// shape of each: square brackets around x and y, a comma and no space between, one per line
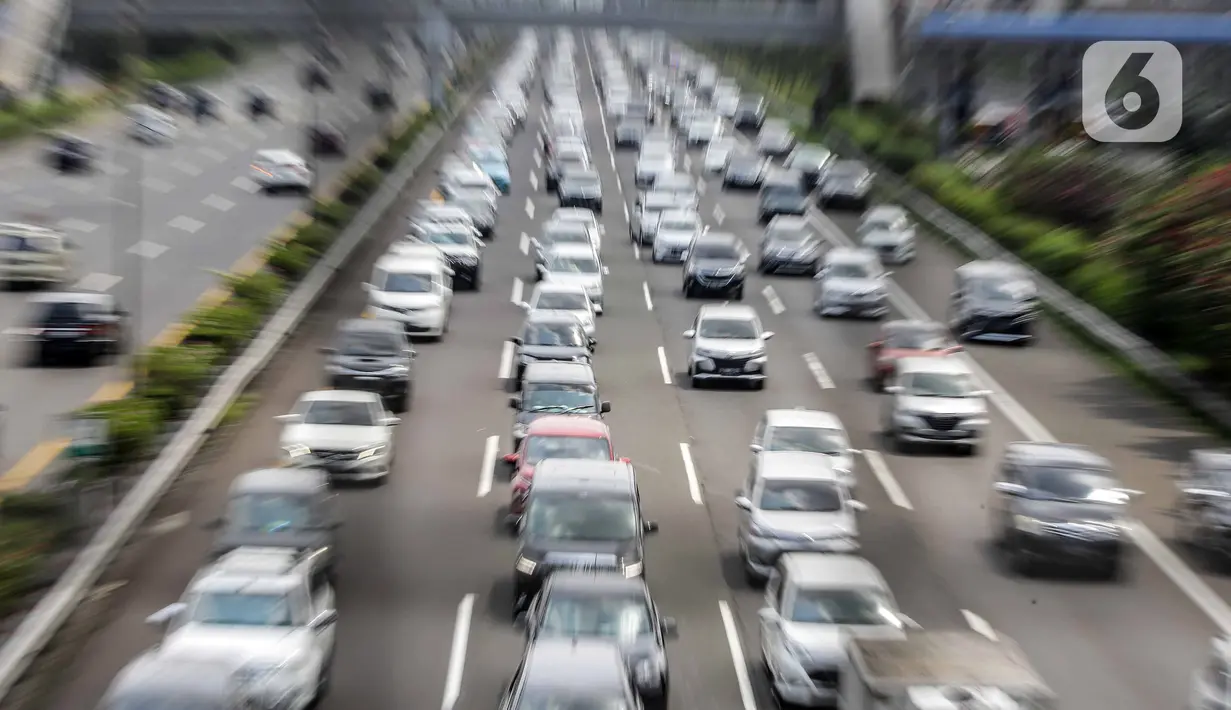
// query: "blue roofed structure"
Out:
[1080,27]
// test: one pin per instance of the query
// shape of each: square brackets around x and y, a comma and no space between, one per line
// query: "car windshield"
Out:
[841,607]
[326,412]
[241,609]
[800,496]
[572,264]
[917,339]
[616,617]
[659,201]
[581,181]
[847,171]
[746,162]
[785,190]
[574,233]
[813,440]
[724,252]
[566,166]
[369,344]
[593,448]
[792,235]
[1071,484]
[562,301]
[487,155]
[884,223]
[553,697]
[1002,290]
[583,518]
[407,283]
[270,512]
[938,384]
[727,329]
[559,399]
[449,237]
[815,156]
[559,335]
[850,270]
[678,224]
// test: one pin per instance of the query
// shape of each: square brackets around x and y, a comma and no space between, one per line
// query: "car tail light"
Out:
[98,329]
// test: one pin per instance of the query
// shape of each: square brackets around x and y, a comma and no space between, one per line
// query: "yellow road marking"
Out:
[250,263]
[29,467]
[111,392]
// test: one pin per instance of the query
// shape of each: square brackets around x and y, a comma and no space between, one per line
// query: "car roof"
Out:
[727,310]
[573,214]
[550,287]
[989,267]
[280,481]
[939,365]
[583,474]
[565,425]
[190,682]
[574,663]
[1057,454]
[718,238]
[826,570]
[678,216]
[546,317]
[102,299]
[279,155]
[850,255]
[596,582]
[572,249]
[369,325]
[783,221]
[396,262]
[339,396]
[251,570]
[795,465]
[1211,459]
[443,211]
[889,211]
[812,418]
[562,372]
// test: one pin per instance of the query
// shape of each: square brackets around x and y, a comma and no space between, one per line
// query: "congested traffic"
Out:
[587,602]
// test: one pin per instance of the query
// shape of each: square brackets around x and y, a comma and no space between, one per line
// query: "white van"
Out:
[151,126]
[33,255]
[415,290]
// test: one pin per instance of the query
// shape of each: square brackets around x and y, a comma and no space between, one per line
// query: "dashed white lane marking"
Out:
[77,225]
[687,164]
[155,185]
[505,369]
[34,201]
[523,244]
[218,202]
[246,185]
[457,657]
[98,282]
[538,158]
[212,153]
[534,182]
[771,297]
[645,291]
[171,523]
[187,168]
[979,625]
[690,473]
[147,250]
[186,224]
[519,288]
[818,371]
[880,469]
[701,188]
[662,365]
[529,208]
[719,215]
[748,700]
[486,473]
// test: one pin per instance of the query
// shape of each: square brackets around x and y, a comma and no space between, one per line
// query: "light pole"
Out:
[128,215]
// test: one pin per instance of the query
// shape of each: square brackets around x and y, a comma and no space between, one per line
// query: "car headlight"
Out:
[909,420]
[294,451]
[633,570]
[758,360]
[1027,524]
[844,543]
[526,565]
[371,451]
[396,370]
[705,354]
[761,531]
[976,422]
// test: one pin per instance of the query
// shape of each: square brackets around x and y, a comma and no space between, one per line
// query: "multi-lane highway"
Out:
[424,599]
[201,214]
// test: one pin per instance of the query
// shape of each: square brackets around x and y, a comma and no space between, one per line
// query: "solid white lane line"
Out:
[662,365]
[719,215]
[687,164]
[818,371]
[186,224]
[523,244]
[518,288]
[775,303]
[486,473]
[645,291]
[457,657]
[690,472]
[97,282]
[506,361]
[636,251]
[534,182]
[529,208]
[77,225]
[218,202]
[880,469]
[979,625]
[746,696]
[1196,589]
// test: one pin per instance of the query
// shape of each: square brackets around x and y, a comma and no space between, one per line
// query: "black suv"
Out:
[571,673]
[715,264]
[372,355]
[581,515]
[547,336]
[70,154]
[577,605]
[326,139]
[845,184]
[1059,504]
[76,327]
[993,301]
[549,388]
[782,193]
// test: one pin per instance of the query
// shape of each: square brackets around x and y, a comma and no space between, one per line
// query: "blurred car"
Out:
[889,231]
[629,132]
[906,338]
[718,154]
[326,139]
[349,432]
[745,170]
[789,245]
[581,188]
[67,153]
[75,327]
[281,170]
[845,184]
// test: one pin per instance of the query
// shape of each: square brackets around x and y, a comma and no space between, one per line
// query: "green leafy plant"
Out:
[291,260]
[333,213]
[262,290]
[226,326]
[173,375]
[133,424]
[315,236]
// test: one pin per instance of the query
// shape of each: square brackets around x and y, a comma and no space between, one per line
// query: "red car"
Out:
[555,437]
[906,338]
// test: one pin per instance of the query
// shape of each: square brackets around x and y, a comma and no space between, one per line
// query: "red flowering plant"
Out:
[1074,190]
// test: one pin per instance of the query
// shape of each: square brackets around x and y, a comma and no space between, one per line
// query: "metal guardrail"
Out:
[43,621]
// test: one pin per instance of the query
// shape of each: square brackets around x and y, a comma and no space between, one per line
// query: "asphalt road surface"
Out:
[201,214]
[424,597]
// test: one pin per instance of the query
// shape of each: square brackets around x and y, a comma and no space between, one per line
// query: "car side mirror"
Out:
[516,339]
[670,627]
[327,351]
[591,343]
[287,418]
[523,305]
[686,253]
[769,616]
[514,402]
[767,335]
[690,334]
[324,619]
[391,421]
[1009,489]
[894,389]
[604,408]
[650,527]
[909,622]
[214,524]
[756,448]
[167,614]
[410,353]
[743,503]
[858,506]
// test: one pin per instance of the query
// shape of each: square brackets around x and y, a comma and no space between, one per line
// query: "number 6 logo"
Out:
[1132,92]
